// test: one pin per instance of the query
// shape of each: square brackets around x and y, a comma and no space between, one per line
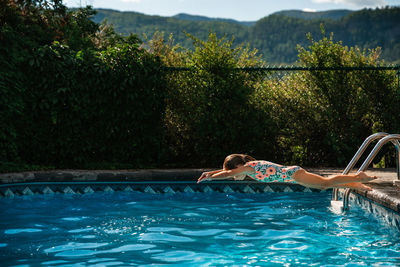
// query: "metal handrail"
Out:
[394,138]
[346,197]
[361,150]
[397,147]
[357,156]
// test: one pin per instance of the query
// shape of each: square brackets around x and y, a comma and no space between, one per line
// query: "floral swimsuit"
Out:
[266,171]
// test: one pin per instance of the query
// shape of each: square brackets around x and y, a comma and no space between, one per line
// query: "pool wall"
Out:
[389,216]
[153,187]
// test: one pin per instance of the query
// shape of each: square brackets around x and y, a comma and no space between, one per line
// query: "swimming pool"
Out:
[214,229]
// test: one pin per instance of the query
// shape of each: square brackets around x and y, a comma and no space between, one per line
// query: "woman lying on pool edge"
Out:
[238,166]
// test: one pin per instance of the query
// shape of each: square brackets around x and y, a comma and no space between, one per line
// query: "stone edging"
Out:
[103,175]
[385,193]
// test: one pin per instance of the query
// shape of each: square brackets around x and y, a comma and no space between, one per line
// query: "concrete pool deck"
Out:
[386,189]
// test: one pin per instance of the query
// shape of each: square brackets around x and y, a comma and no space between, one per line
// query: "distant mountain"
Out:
[184,16]
[275,36]
[330,14]
[141,24]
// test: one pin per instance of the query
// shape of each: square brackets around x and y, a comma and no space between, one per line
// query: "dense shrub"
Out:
[209,110]
[325,115]
[72,104]
[11,104]
[90,107]
[74,94]
[310,118]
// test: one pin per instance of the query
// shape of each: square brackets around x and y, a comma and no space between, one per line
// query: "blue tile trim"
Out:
[383,213]
[155,187]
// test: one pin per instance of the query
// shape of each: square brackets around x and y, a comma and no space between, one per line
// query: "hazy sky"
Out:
[249,10]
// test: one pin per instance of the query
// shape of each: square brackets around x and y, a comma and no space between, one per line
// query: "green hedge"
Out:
[90,107]
[325,115]
[76,95]
[311,118]
[209,109]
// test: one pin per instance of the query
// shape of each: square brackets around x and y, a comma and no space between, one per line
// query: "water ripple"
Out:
[207,232]
[74,246]
[24,230]
[163,237]
[180,256]
[191,229]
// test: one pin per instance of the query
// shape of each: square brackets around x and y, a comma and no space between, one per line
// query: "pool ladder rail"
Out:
[384,138]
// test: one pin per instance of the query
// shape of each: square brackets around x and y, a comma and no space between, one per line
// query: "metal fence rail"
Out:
[279,71]
[295,68]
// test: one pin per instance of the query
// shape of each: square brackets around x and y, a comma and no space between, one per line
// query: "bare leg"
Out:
[317,181]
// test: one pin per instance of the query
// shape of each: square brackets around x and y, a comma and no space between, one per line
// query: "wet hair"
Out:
[233,160]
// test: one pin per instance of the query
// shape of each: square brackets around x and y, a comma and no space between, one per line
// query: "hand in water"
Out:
[205,176]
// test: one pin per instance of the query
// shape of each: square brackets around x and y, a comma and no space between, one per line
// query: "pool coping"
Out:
[385,193]
[102,175]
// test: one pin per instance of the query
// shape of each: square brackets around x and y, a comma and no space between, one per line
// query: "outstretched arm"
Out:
[207,175]
[224,174]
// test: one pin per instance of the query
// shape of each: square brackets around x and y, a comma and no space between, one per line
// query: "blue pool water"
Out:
[271,229]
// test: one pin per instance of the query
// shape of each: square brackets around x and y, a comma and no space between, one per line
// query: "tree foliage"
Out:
[209,102]
[76,94]
[72,96]
[324,114]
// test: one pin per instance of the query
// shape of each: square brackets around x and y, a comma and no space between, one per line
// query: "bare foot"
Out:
[364,177]
[360,186]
